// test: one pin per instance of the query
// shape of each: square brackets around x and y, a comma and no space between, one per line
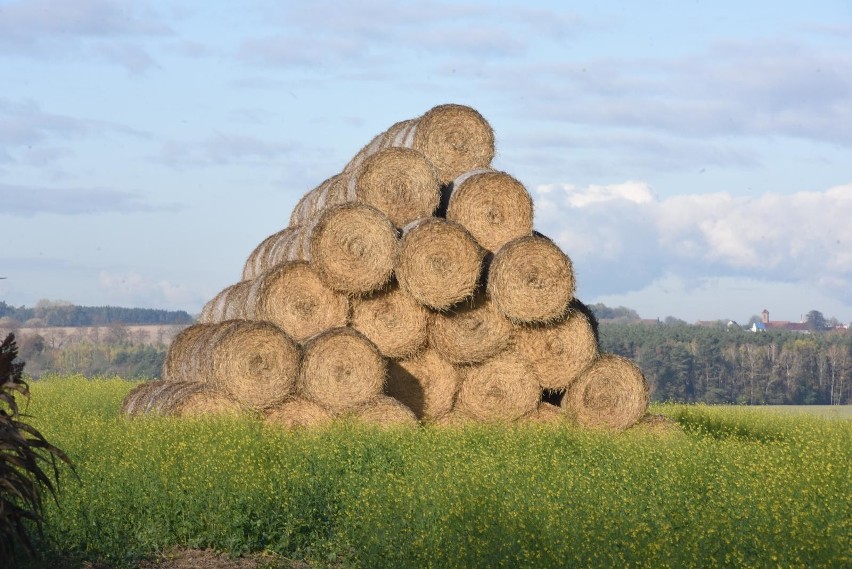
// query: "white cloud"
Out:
[622,238]
[133,289]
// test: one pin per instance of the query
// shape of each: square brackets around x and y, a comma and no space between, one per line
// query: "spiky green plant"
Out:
[28,462]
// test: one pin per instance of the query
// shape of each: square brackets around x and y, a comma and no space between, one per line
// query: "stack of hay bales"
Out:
[409,286]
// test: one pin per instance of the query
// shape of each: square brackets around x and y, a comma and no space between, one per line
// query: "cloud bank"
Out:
[622,237]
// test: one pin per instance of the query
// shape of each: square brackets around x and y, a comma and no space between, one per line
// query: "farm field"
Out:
[740,487]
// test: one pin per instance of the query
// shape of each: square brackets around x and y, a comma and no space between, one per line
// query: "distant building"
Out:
[766,325]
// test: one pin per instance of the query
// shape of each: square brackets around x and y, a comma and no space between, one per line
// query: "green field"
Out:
[742,487]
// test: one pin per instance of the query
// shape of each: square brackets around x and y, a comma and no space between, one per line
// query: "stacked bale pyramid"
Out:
[408,287]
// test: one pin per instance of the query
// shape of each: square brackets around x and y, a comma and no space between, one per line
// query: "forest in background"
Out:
[683,363]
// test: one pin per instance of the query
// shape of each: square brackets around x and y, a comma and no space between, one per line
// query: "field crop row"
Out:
[740,487]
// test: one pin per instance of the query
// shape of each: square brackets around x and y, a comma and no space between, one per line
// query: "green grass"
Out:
[740,488]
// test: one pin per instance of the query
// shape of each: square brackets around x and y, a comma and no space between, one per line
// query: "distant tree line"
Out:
[50,313]
[727,364]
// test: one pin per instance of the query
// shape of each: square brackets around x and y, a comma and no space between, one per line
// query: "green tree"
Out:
[815,321]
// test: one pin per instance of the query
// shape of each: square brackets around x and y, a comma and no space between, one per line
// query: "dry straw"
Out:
[178,399]
[298,413]
[292,296]
[341,370]
[470,332]
[545,413]
[440,263]
[399,182]
[229,304]
[503,388]
[454,419]
[385,412]
[255,363]
[610,394]
[331,192]
[493,206]
[454,138]
[531,280]
[425,383]
[558,352]
[392,320]
[289,244]
[354,248]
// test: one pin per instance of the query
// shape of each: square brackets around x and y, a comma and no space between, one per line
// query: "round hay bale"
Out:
[206,402]
[136,401]
[425,383]
[298,413]
[181,399]
[289,244]
[440,263]
[610,394]
[399,182]
[454,419]
[229,304]
[331,192]
[255,363]
[558,352]
[341,370]
[503,388]
[292,296]
[493,206]
[545,413]
[386,412]
[354,248]
[657,425]
[470,332]
[531,280]
[454,138]
[392,320]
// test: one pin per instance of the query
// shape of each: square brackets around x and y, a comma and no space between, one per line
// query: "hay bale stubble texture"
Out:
[426,383]
[545,413]
[181,399]
[493,206]
[454,138]
[440,263]
[254,363]
[386,411]
[560,351]
[470,332]
[289,244]
[354,248]
[298,413]
[392,320]
[503,389]
[531,280]
[611,394]
[229,304]
[341,370]
[331,192]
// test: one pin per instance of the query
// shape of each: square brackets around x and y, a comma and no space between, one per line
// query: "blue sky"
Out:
[694,159]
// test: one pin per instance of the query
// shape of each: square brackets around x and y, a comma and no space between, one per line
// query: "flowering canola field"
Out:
[741,487]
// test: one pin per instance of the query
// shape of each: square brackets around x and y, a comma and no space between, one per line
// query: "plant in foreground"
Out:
[28,462]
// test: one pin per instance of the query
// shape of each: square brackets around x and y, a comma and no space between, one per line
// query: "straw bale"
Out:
[289,244]
[292,296]
[386,412]
[545,413]
[559,352]
[440,263]
[454,419]
[392,320]
[229,304]
[331,192]
[426,383]
[354,248]
[657,425]
[503,388]
[454,138]
[493,206]
[531,280]
[181,398]
[470,332]
[253,362]
[399,182]
[298,412]
[610,394]
[341,370]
